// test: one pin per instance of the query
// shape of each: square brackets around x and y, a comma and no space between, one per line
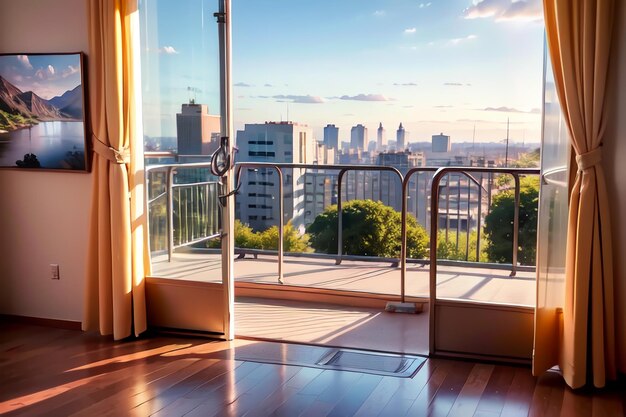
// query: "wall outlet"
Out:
[54,271]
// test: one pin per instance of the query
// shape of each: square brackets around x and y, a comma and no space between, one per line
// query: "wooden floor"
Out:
[53,372]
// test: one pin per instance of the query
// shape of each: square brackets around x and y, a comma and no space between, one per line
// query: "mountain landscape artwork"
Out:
[42,112]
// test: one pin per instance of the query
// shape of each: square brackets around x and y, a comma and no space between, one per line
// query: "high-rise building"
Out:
[441,143]
[257,201]
[331,137]
[324,155]
[400,138]
[197,131]
[358,137]
[381,140]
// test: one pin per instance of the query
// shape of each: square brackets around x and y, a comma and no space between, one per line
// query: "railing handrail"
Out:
[438,174]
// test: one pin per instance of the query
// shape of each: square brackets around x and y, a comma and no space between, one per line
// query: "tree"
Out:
[499,224]
[370,228]
[292,241]
[246,238]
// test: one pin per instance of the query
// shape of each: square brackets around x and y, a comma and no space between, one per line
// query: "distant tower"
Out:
[400,136]
[381,140]
[197,131]
[331,137]
[441,143]
[358,137]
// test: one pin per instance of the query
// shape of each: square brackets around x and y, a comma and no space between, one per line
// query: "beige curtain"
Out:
[581,340]
[117,258]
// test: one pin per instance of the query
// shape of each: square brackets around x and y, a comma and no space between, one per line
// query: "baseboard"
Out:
[39,321]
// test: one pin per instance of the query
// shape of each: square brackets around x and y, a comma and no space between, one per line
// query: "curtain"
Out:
[581,338]
[117,257]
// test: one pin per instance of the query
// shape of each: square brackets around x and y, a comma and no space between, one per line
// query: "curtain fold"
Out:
[117,257]
[581,340]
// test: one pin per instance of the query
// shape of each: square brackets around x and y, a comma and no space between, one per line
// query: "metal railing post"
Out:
[339,218]
[281,228]
[515,224]
[170,213]
[403,248]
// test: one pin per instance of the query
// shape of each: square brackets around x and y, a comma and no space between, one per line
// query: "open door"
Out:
[186,89]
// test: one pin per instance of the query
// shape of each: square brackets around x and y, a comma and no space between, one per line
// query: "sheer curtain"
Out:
[117,258]
[582,340]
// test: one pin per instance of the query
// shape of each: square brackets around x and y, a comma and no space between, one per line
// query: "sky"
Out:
[437,66]
[45,75]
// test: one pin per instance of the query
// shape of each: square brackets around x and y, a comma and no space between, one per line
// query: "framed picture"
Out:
[42,112]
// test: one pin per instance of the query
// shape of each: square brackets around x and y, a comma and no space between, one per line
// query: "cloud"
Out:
[405,84]
[168,50]
[503,10]
[456,41]
[424,5]
[299,99]
[45,74]
[379,13]
[242,85]
[410,31]
[268,85]
[511,110]
[23,59]
[365,97]
[454,84]
[443,107]
[70,70]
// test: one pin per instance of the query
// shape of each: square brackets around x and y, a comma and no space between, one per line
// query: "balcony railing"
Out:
[192,210]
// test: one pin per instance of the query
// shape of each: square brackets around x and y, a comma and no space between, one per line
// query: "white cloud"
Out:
[410,31]
[511,110]
[23,59]
[299,99]
[424,5]
[168,50]
[379,13]
[365,97]
[456,41]
[405,84]
[51,69]
[503,10]
[69,71]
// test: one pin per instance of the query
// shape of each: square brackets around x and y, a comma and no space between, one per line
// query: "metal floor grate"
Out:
[370,362]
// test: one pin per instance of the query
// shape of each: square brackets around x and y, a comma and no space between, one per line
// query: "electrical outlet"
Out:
[54,271]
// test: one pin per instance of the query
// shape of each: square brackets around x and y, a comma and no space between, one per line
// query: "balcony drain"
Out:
[401,366]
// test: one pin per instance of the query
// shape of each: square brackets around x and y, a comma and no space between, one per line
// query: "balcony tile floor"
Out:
[476,284]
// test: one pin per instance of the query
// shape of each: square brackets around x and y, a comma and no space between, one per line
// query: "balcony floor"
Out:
[343,326]
[464,283]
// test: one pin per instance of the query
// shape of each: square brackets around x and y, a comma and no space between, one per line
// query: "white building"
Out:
[280,142]
[381,140]
[358,137]
[400,138]
[197,131]
[441,143]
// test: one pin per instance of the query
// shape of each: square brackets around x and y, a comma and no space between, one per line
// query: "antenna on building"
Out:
[474,139]
[506,155]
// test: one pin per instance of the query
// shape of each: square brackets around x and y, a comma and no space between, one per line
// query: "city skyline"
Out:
[433,66]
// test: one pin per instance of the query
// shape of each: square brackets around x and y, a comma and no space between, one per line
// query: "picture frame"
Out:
[43,116]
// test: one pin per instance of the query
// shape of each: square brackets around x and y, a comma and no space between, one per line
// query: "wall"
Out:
[43,215]
[615,156]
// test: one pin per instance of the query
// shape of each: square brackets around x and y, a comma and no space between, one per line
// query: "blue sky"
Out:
[46,75]
[436,66]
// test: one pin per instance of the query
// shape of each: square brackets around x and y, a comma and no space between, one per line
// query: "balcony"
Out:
[184,219]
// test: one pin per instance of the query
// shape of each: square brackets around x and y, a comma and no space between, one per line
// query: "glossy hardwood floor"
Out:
[53,372]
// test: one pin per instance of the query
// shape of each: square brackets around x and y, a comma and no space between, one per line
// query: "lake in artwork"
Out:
[41,112]
[56,145]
